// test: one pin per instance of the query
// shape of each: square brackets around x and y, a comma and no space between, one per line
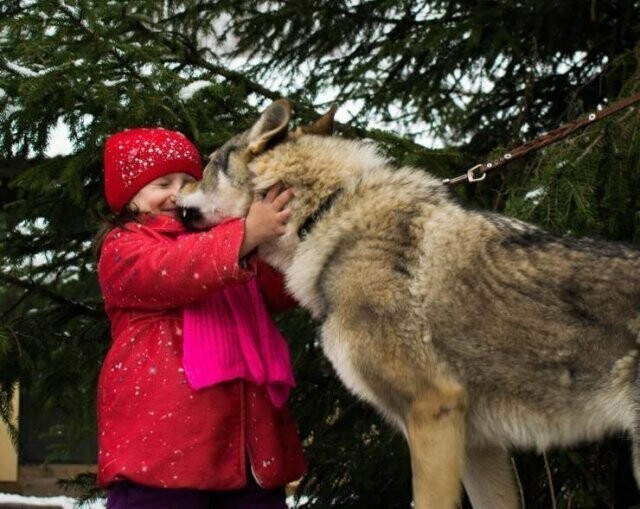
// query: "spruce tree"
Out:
[480,76]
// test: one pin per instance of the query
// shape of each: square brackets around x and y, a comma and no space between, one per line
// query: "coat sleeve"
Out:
[272,286]
[142,270]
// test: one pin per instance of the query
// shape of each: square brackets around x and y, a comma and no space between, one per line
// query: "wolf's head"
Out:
[230,178]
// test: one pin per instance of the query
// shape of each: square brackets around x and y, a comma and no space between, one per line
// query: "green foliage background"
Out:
[480,76]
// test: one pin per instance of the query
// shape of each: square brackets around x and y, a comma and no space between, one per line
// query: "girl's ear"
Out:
[132,208]
[272,126]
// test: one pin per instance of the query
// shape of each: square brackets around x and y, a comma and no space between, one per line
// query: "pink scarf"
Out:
[228,335]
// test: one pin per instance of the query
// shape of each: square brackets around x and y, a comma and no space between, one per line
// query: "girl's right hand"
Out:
[267,218]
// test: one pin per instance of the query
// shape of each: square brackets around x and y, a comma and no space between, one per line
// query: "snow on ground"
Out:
[63,502]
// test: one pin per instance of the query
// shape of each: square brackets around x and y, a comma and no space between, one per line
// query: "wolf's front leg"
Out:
[489,479]
[435,429]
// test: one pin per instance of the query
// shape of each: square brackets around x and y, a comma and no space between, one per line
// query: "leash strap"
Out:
[479,171]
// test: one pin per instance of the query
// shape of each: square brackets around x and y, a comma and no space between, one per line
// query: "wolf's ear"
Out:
[323,126]
[271,126]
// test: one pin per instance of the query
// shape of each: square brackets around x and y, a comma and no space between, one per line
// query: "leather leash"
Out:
[479,171]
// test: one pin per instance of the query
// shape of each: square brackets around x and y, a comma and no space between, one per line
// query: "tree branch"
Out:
[43,290]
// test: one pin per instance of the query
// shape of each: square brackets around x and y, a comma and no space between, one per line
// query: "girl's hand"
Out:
[266,219]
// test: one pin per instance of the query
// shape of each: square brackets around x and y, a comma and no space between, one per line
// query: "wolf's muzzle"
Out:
[190,217]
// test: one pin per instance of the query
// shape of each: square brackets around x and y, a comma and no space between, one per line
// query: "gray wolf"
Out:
[473,333]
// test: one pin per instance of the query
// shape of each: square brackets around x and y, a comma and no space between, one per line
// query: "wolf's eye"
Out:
[187,180]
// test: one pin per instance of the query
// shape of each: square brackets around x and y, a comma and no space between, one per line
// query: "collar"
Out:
[312,219]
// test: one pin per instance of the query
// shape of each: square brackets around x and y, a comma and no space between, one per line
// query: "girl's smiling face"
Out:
[159,195]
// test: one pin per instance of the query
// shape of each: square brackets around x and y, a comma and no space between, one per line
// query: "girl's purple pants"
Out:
[125,495]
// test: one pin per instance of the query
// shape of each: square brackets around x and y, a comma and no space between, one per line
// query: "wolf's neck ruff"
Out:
[312,219]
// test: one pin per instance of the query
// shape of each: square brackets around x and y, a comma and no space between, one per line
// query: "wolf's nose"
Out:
[189,216]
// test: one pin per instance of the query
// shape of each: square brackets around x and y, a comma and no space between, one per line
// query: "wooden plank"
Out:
[8,454]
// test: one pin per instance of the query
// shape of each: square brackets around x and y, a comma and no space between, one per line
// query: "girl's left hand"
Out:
[267,218]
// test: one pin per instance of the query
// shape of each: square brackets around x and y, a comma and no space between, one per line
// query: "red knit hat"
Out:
[135,157]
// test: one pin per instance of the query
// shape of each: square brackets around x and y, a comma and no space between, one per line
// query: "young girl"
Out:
[192,394]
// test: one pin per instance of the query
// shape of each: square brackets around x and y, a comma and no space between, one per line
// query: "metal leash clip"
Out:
[472,178]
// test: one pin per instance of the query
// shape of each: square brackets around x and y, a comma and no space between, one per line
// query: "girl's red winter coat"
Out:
[153,428]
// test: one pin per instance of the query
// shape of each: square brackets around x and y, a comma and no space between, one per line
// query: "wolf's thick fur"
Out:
[472,332]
